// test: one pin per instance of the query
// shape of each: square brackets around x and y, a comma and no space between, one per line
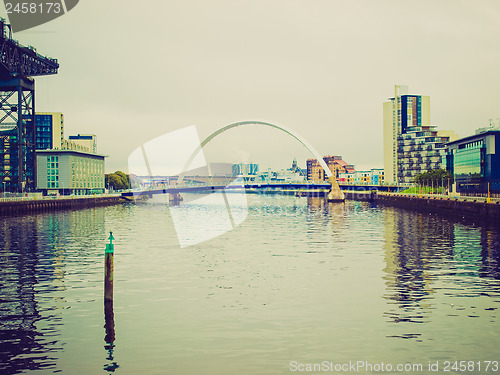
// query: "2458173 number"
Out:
[33,8]
[469,366]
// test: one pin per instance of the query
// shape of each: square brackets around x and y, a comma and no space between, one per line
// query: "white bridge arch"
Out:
[338,195]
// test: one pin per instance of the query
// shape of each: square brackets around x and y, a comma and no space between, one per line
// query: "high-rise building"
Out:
[49,129]
[411,144]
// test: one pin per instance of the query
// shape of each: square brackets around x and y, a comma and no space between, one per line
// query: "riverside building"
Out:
[335,163]
[474,162]
[411,144]
[369,177]
[69,172]
[66,166]
[49,130]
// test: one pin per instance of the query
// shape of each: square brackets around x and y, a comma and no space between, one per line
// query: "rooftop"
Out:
[492,131]
[57,151]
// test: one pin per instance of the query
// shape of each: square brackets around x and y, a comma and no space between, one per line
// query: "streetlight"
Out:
[4,187]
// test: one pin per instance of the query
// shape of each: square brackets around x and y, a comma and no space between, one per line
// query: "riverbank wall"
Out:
[459,207]
[31,206]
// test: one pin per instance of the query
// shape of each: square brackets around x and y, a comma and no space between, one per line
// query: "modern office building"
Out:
[411,144]
[69,172]
[474,162]
[335,163]
[88,141]
[50,134]
[49,129]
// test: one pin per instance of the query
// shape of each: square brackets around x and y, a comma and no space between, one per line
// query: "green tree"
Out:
[117,180]
[435,177]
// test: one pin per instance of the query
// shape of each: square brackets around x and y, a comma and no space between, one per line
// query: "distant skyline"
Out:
[322,68]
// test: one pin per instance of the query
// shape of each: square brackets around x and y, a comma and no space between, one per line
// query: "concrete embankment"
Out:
[456,206]
[20,207]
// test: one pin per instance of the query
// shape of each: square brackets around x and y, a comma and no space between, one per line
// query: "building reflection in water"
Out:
[419,248]
[19,310]
[33,261]
[319,205]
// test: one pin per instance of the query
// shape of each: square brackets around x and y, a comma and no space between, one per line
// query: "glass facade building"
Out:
[474,162]
[43,132]
[49,130]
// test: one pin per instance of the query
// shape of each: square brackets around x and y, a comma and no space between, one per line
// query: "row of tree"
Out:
[434,177]
[117,181]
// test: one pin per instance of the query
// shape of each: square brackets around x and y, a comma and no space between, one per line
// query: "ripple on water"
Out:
[297,280]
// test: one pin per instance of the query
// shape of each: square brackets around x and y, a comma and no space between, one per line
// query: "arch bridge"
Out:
[335,193]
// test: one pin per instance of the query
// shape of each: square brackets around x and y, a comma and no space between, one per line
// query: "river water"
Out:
[297,285]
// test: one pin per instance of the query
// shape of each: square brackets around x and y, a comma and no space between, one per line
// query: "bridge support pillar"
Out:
[335,194]
[175,198]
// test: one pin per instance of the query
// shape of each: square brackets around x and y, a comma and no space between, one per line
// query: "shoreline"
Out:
[459,207]
[34,206]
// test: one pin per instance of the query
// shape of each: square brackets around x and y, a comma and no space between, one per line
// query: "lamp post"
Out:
[4,188]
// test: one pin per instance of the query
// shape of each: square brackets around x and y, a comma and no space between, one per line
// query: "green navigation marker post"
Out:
[108,269]
[109,316]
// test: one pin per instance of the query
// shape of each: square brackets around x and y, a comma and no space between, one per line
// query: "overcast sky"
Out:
[132,71]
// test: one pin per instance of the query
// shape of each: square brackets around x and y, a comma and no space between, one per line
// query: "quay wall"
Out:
[456,206]
[20,207]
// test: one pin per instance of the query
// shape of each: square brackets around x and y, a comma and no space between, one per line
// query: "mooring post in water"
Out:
[108,269]
[109,316]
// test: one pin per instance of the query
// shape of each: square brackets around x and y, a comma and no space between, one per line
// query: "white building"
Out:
[88,141]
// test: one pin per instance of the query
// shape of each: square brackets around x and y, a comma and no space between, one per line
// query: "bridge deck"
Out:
[255,186]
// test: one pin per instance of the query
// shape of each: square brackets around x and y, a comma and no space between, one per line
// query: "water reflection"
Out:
[426,254]
[299,279]
[33,260]
[23,344]
[109,338]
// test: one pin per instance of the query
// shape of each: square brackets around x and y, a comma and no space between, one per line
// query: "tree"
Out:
[435,177]
[117,180]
